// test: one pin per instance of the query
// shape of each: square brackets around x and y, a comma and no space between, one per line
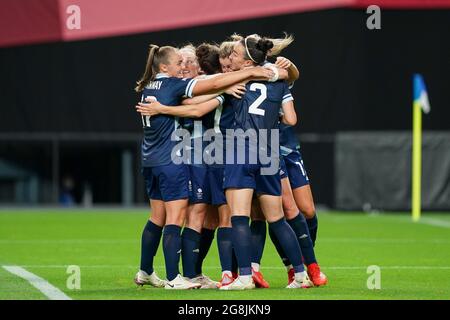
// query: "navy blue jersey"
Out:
[288,140]
[259,109]
[157,145]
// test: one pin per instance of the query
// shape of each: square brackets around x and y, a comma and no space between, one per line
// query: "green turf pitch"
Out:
[414,257]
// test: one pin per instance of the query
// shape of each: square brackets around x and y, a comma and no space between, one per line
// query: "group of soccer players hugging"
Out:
[228,86]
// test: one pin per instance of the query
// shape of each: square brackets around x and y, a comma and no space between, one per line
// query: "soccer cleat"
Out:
[180,283]
[205,281]
[291,275]
[316,276]
[143,278]
[258,278]
[301,283]
[226,280]
[238,284]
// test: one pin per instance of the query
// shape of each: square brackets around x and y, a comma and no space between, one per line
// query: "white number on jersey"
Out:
[146,119]
[254,106]
[217,116]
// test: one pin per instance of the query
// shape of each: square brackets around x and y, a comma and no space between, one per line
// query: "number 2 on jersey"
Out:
[254,106]
[146,119]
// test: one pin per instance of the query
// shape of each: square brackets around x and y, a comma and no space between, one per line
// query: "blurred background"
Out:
[69,134]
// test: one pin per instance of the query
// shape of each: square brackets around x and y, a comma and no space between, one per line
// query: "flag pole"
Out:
[416,161]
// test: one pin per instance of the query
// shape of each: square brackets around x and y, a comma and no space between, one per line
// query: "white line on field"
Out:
[42,285]
[435,222]
[263,267]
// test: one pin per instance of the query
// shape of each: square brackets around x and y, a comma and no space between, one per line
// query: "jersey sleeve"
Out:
[287,95]
[183,87]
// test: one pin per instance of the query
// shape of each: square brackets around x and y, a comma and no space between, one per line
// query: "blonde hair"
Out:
[226,48]
[189,48]
[279,44]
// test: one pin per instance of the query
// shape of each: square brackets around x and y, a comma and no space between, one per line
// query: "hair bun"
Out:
[264,45]
[201,51]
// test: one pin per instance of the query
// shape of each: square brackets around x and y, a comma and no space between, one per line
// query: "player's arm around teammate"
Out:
[160,80]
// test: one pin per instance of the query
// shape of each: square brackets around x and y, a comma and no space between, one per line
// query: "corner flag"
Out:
[420,102]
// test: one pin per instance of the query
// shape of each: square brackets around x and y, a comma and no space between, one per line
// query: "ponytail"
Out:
[279,44]
[150,71]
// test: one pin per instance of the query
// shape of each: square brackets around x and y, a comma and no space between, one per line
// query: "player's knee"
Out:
[290,211]
[309,211]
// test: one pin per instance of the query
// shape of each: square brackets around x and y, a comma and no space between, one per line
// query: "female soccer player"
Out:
[258,111]
[297,199]
[196,240]
[218,119]
[167,183]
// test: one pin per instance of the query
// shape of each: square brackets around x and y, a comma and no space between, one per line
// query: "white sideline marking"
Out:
[42,285]
[435,222]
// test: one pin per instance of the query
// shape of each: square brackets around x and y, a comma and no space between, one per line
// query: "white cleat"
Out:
[143,278]
[239,284]
[301,282]
[180,283]
[205,281]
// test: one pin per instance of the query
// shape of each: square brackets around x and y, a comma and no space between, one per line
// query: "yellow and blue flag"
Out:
[420,93]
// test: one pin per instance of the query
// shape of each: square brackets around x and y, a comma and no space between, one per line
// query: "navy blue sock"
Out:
[286,237]
[242,240]
[234,263]
[190,240]
[313,225]
[172,250]
[225,245]
[278,247]
[206,239]
[151,236]
[258,231]
[300,227]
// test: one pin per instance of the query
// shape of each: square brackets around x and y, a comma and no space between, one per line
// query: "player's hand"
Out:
[283,63]
[263,73]
[149,109]
[238,90]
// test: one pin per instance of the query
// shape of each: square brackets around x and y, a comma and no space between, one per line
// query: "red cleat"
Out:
[235,275]
[291,275]
[316,276]
[258,278]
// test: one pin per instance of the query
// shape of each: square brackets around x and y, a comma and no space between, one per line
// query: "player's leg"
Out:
[271,205]
[151,235]
[302,192]
[191,238]
[305,202]
[240,201]
[227,257]
[207,236]
[173,181]
[258,231]
[225,246]
[298,223]
[303,199]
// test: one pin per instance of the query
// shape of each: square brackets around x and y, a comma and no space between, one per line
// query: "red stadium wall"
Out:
[35,21]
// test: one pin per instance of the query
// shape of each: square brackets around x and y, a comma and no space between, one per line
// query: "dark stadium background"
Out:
[67,108]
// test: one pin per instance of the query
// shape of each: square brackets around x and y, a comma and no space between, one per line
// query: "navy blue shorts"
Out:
[242,176]
[215,175]
[167,183]
[296,170]
[283,169]
[199,190]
